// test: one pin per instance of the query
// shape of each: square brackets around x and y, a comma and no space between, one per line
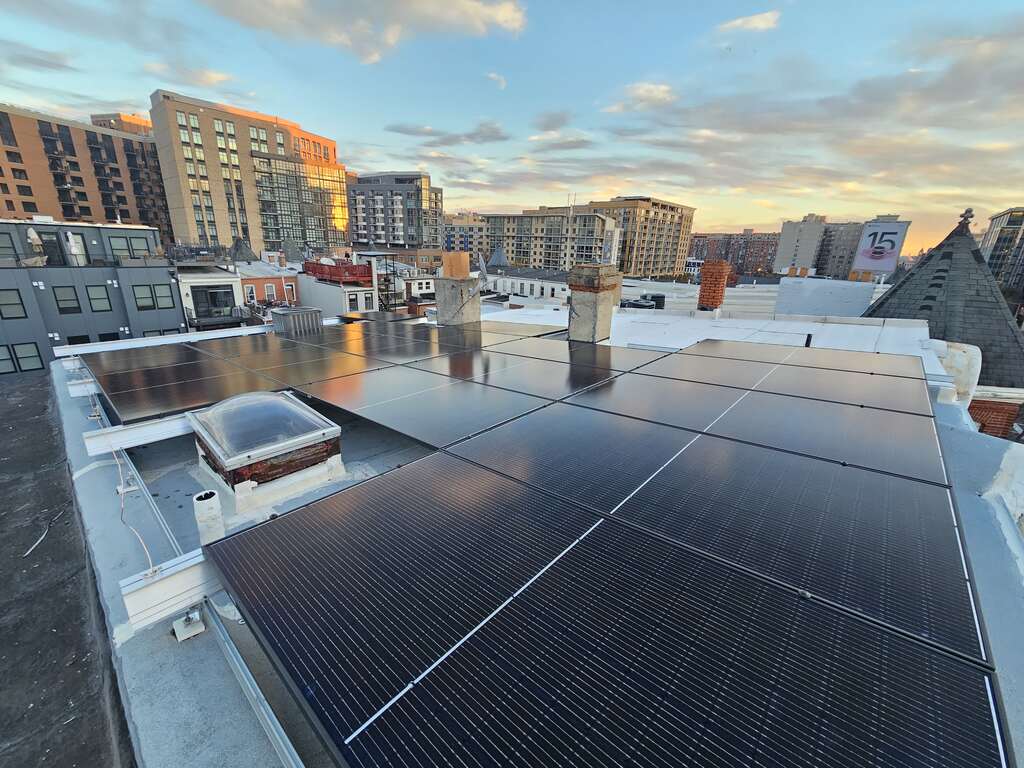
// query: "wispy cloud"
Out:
[177,72]
[499,80]
[552,121]
[485,132]
[759,22]
[644,96]
[372,28]
[21,56]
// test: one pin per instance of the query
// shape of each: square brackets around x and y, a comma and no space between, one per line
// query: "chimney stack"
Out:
[595,291]
[458,294]
[714,276]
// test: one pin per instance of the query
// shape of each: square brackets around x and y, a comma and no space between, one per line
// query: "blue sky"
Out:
[752,112]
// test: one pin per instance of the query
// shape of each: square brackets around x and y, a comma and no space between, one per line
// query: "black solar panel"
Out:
[866,362]
[896,393]
[709,370]
[630,651]
[596,355]
[468,364]
[685,404]
[545,378]
[515,329]
[391,349]
[141,378]
[352,393]
[278,357]
[903,443]
[153,402]
[338,364]
[443,415]
[741,350]
[357,594]
[882,545]
[593,457]
[380,317]
[233,346]
[135,358]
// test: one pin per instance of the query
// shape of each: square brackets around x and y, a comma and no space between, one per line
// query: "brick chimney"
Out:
[714,276]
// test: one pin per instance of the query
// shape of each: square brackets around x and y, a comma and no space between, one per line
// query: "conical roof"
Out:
[498,259]
[952,288]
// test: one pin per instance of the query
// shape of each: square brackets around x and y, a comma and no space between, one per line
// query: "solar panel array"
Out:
[738,554]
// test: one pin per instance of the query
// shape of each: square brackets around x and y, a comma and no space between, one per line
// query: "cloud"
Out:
[485,132]
[759,22]
[372,28]
[568,143]
[177,72]
[501,81]
[21,56]
[552,121]
[135,22]
[644,96]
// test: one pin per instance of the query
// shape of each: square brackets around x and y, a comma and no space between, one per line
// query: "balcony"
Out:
[197,255]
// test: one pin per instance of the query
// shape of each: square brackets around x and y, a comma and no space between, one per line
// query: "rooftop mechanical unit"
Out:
[266,446]
[296,320]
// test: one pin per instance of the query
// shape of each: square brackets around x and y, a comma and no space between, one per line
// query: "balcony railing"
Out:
[183,253]
[340,273]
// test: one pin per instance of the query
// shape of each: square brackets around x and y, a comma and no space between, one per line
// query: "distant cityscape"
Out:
[208,175]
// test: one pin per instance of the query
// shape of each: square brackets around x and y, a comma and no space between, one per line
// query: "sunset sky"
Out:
[752,113]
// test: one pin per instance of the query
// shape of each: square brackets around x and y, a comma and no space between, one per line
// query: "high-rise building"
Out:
[229,172]
[655,238]
[395,210]
[837,248]
[749,252]
[467,232]
[1002,247]
[73,172]
[124,122]
[799,242]
[554,238]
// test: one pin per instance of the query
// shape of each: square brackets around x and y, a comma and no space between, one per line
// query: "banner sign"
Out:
[880,245]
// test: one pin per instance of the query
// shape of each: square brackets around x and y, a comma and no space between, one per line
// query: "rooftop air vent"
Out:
[296,320]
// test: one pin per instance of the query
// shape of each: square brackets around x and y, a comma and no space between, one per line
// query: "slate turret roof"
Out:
[952,288]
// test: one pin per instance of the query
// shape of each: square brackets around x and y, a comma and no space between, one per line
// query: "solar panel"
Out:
[516,329]
[443,415]
[903,443]
[741,350]
[545,378]
[709,370]
[391,349]
[686,404]
[882,545]
[233,346]
[380,317]
[595,458]
[153,402]
[352,393]
[133,359]
[469,363]
[357,594]
[630,651]
[141,378]
[896,393]
[866,362]
[338,364]
[597,355]
[278,357]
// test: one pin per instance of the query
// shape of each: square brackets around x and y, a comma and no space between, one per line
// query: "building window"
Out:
[13,157]
[6,361]
[140,247]
[99,299]
[368,300]
[183,135]
[143,297]
[24,190]
[289,292]
[27,356]
[218,126]
[109,336]
[119,248]
[193,120]
[164,296]
[181,118]
[250,294]
[11,307]
[151,333]
[353,302]
[83,339]
[270,291]
[19,173]
[67,300]
[253,134]
[7,246]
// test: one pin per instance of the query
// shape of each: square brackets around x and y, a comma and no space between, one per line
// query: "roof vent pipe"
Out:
[209,517]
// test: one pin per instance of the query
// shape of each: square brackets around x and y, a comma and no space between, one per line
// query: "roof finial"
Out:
[966,216]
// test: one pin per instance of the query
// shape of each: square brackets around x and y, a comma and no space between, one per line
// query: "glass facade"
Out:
[301,202]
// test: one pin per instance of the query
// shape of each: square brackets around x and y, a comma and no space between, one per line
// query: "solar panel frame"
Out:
[897,393]
[722,371]
[137,358]
[335,365]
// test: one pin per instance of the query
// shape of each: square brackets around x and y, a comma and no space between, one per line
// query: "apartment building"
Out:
[554,238]
[125,122]
[1002,247]
[230,172]
[467,232]
[395,210]
[799,242]
[749,252]
[78,172]
[826,247]
[837,249]
[655,234]
[76,283]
